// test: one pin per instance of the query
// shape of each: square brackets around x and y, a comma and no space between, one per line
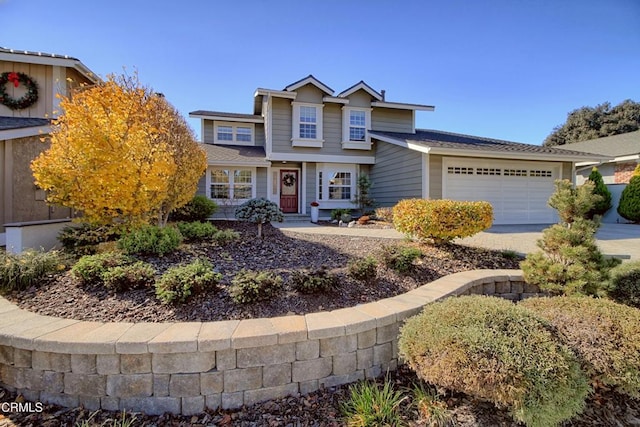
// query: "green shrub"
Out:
[84,238]
[252,286]
[441,220]
[20,271]
[313,281]
[493,349]
[400,258]
[225,236]
[177,284]
[629,205]
[150,240]
[337,214]
[200,208]
[197,231]
[603,334]
[624,284]
[90,269]
[600,188]
[384,214]
[259,211]
[371,406]
[131,276]
[363,269]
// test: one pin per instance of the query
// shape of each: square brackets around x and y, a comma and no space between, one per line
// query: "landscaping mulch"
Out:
[281,252]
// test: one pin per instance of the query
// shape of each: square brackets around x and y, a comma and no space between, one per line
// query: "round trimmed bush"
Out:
[178,284]
[125,277]
[624,285]
[603,333]
[90,269]
[493,349]
[251,286]
[200,208]
[150,240]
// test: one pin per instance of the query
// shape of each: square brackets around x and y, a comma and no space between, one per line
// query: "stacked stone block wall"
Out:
[184,368]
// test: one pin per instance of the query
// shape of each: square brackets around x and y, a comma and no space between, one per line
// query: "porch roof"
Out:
[235,155]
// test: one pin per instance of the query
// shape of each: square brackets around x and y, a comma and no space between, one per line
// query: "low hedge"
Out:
[493,349]
[603,333]
[624,283]
[441,220]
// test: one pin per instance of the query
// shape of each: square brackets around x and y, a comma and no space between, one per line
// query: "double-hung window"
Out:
[232,184]
[355,122]
[234,133]
[306,125]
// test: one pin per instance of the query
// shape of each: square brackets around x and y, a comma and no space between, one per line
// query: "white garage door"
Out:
[518,191]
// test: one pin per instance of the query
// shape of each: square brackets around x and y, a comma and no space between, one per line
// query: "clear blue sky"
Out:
[506,69]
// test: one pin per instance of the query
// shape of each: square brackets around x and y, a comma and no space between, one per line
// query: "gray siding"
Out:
[311,187]
[309,93]
[396,175]
[281,125]
[259,137]
[261,184]
[207,135]
[360,99]
[391,120]
[567,171]
[202,183]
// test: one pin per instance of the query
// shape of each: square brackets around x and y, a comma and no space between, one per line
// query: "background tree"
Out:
[596,122]
[600,188]
[116,153]
[629,206]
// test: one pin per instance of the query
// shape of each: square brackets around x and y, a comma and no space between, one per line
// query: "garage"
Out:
[517,190]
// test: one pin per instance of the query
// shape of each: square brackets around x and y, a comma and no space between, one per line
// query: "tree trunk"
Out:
[260,230]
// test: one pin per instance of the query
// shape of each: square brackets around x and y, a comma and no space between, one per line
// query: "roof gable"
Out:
[361,85]
[310,79]
[29,57]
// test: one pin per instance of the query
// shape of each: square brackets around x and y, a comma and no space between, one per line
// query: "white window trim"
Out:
[234,126]
[346,124]
[328,169]
[208,183]
[296,141]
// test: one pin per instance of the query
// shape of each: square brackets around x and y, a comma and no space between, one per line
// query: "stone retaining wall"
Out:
[187,367]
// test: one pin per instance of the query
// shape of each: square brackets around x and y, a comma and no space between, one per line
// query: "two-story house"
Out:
[30,83]
[305,143]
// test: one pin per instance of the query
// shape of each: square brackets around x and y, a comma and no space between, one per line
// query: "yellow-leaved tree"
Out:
[119,154]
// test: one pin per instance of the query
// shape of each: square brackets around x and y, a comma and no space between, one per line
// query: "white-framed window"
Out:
[306,127]
[336,183]
[232,184]
[355,123]
[234,133]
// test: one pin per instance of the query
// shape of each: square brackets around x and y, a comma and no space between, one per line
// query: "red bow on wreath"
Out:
[14,78]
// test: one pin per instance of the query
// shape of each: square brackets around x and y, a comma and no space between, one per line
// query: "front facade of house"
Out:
[21,131]
[305,143]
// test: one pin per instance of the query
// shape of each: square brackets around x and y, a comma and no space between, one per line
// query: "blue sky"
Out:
[499,68]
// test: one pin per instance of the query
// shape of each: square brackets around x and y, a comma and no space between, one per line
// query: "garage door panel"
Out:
[518,191]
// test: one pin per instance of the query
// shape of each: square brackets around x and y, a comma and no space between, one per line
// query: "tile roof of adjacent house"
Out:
[235,155]
[442,142]
[624,144]
[10,123]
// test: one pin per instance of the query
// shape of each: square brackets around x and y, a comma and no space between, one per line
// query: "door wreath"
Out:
[17,78]
[289,180]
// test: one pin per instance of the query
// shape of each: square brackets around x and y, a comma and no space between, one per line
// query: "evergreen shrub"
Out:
[150,240]
[179,283]
[252,286]
[490,348]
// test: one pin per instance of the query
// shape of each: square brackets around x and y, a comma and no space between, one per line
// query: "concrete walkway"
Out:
[621,240]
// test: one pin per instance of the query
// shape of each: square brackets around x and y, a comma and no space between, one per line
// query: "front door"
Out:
[289,190]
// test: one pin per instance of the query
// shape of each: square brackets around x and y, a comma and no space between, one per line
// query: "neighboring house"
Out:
[21,130]
[623,151]
[304,144]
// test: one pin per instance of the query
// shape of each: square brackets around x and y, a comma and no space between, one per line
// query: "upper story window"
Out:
[355,122]
[234,133]
[306,125]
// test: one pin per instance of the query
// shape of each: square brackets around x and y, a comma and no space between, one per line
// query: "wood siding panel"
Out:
[42,77]
[435,176]
[396,175]
[208,135]
[259,136]
[311,187]
[309,93]
[261,182]
[360,99]
[202,183]
[281,125]
[390,120]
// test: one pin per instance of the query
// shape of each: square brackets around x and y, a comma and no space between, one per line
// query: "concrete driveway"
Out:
[620,240]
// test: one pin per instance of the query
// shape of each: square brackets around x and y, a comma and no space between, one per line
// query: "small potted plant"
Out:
[315,211]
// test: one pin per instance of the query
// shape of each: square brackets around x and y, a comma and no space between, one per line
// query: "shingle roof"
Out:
[447,140]
[32,53]
[10,123]
[624,144]
[235,154]
[223,114]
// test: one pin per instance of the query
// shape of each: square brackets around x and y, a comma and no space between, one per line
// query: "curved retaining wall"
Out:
[187,367]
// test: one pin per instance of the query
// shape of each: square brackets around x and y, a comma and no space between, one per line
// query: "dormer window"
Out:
[307,125]
[234,133]
[355,122]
